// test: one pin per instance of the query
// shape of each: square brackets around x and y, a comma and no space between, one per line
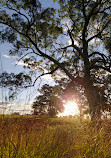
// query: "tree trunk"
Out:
[90,90]
[93,100]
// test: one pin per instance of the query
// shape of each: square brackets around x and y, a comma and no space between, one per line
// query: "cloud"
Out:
[60,75]
[5,107]
[69,42]
[47,77]
[22,109]
[66,24]
[95,40]
[5,104]
[6,56]
[21,63]
[9,107]
[10,57]
[75,42]
[30,102]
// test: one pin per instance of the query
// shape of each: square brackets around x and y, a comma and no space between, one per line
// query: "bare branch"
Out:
[63,48]
[22,58]
[97,60]
[101,5]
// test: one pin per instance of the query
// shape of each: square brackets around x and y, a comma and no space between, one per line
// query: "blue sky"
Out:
[7,63]
[24,100]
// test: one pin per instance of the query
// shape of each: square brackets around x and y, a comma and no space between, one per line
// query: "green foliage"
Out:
[107,43]
[68,39]
[14,82]
[48,101]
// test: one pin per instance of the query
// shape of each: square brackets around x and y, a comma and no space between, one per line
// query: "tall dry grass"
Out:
[29,137]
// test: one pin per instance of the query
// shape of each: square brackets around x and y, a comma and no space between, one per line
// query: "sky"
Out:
[24,100]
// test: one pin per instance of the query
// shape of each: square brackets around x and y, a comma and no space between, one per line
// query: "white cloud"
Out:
[6,56]
[47,77]
[21,63]
[30,102]
[10,57]
[60,75]
[75,42]
[5,107]
[69,42]
[22,109]
[10,107]
[95,40]
[66,24]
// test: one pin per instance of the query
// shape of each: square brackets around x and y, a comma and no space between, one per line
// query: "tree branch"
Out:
[96,60]
[98,53]
[101,67]
[22,58]
[18,12]
[84,13]
[73,45]
[40,52]
[48,73]
[99,33]
[94,7]
[70,35]
[87,19]
[9,25]
[50,58]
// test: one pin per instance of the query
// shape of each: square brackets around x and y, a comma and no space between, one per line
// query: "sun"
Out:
[70,108]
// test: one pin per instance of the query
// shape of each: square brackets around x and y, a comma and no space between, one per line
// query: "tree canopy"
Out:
[14,82]
[72,41]
[48,102]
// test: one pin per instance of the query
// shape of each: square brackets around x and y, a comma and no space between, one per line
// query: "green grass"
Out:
[32,137]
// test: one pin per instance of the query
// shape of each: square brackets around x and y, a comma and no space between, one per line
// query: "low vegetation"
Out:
[33,137]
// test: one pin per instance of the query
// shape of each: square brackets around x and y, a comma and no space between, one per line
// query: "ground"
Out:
[35,137]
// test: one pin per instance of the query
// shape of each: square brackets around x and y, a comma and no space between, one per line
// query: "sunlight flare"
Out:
[70,108]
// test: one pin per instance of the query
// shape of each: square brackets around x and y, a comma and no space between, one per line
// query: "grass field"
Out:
[32,137]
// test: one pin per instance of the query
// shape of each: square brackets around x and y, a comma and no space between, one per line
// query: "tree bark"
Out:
[91,91]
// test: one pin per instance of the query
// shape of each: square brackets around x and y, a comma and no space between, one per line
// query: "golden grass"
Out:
[31,137]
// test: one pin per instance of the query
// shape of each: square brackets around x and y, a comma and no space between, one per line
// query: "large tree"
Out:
[75,42]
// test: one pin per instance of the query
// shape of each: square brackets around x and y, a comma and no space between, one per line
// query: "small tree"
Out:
[48,102]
